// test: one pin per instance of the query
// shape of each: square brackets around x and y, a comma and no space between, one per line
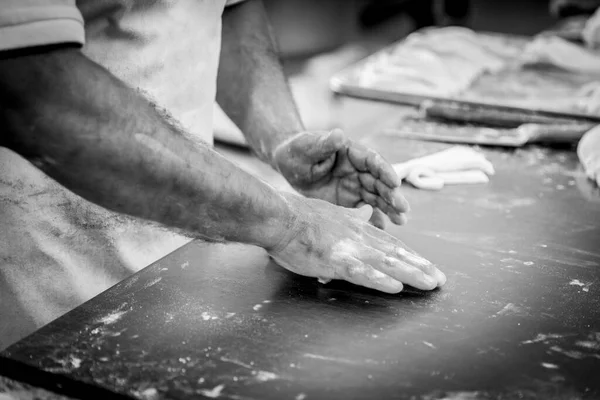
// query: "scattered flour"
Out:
[207,317]
[152,282]
[75,362]
[214,392]
[429,345]
[549,365]
[264,376]
[149,394]
[112,318]
[543,337]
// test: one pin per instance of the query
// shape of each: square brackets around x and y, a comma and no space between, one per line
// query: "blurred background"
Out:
[307,27]
[319,37]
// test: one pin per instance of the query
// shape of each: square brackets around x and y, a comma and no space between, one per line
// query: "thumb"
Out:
[325,145]
[364,213]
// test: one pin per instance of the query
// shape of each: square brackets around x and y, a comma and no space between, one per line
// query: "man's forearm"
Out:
[103,141]
[251,86]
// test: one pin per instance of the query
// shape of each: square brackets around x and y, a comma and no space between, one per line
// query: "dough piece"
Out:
[441,62]
[562,54]
[498,47]
[403,84]
[588,151]
[416,71]
[454,166]
[449,71]
[470,177]
[457,158]
[424,178]
[459,49]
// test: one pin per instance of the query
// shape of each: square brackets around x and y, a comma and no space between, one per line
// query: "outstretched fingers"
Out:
[357,272]
[397,269]
[395,249]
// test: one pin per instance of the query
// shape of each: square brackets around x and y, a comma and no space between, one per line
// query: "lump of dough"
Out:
[442,62]
[456,49]
[417,71]
[457,165]
[457,158]
[588,151]
[561,53]
[424,178]
[467,36]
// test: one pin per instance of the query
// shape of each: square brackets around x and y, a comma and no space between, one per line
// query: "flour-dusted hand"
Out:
[330,242]
[328,166]
[588,151]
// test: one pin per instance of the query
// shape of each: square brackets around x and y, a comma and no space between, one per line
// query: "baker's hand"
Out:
[588,151]
[328,166]
[330,242]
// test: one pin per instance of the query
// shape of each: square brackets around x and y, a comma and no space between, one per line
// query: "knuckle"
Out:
[354,270]
[390,261]
[418,261]
[400,251]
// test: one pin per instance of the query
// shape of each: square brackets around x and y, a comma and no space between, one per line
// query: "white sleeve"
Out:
[28,23]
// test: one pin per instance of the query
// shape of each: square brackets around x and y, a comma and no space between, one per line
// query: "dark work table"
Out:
[518,319]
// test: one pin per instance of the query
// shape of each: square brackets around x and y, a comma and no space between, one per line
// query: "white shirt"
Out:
[56,249]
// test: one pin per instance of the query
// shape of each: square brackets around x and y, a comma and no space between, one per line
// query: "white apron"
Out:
[56,249]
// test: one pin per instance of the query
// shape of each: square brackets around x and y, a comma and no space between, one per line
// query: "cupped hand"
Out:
[329,242]
[330,167]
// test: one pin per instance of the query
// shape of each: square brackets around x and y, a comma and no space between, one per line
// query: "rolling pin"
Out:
[495,116]
[517,137]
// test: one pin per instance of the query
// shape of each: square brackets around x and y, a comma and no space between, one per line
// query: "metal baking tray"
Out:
[540,89]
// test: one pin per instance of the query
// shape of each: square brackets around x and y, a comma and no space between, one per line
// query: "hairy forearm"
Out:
[105,142]
[251,86]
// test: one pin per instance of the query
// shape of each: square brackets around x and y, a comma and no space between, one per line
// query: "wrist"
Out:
[281,150]
[277,229]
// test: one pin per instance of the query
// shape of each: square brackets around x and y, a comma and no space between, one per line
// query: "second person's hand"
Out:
[329,166]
